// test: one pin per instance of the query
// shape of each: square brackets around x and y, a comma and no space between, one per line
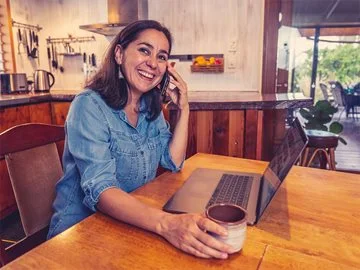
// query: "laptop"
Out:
[251,191]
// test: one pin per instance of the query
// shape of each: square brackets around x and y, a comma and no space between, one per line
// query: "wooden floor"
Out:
[347,157]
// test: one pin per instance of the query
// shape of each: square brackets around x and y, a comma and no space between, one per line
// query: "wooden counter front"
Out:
[312,223]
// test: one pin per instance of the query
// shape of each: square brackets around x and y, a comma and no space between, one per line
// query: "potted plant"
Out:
[319,116]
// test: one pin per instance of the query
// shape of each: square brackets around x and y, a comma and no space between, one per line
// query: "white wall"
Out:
[229,27]
[59,18]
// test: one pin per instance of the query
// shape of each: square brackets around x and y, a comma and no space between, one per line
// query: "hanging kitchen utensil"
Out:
[33,36]
[26,44]
[31,44]
[19,40]
[93,60]
[56,58]
[84,65]
[90,68]
[49,56]
[34,52]
[61,66]
[53,63]
[33,48]
[19,35]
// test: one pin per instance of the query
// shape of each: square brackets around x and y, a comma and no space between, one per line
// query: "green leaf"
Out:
[322,105]
[305,113]
[336,127]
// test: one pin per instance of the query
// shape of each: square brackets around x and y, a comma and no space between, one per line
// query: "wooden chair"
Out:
[32,154]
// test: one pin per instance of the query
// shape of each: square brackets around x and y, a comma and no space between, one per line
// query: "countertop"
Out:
[199,100]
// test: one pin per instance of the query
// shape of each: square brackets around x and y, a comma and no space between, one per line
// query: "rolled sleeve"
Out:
[168,163]
[88,141]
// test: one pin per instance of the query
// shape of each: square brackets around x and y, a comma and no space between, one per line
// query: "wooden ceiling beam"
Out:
[334,31]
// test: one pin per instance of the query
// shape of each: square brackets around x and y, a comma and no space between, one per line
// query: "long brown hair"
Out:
[106,80]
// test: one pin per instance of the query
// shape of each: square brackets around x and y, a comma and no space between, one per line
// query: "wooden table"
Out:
[312,223]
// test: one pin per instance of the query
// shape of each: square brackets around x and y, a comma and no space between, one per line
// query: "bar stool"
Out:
[321,144]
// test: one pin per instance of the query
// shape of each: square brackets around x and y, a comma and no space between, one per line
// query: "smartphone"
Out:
[164,85]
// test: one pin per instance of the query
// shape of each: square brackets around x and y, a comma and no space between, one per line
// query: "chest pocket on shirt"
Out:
[125,154]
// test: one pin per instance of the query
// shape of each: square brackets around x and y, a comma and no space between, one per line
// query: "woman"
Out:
[117,136]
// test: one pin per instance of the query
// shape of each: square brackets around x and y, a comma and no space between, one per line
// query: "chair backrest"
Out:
[336,91]
[34,166]
[324,90]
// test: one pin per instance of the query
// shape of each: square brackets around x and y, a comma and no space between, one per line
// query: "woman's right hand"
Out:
[188,233]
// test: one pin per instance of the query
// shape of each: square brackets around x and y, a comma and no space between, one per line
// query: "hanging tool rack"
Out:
[27,36]
[69,40]
[66,42]
[67,49]
[26,26]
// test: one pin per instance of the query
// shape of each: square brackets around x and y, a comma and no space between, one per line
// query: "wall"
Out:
[231,27]
[59,18]
[6,56]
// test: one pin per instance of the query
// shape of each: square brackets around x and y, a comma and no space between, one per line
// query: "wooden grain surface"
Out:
[40,113]
[204,131]
[312,223]
[236,133]
[251,134]
[223,132]
[59,112]
[279,258]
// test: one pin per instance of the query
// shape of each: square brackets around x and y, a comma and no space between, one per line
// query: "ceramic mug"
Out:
[233,218]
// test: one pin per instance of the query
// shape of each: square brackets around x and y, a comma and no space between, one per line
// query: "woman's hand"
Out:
[178,95]
[188,233]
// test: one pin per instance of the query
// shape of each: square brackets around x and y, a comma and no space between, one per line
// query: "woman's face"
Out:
[144,60]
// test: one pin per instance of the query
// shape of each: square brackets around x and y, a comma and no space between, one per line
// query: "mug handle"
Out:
[53,78]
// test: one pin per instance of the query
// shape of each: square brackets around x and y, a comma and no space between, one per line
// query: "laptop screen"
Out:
[286,155]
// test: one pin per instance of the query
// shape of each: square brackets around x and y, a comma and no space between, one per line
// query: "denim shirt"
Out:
[103,150]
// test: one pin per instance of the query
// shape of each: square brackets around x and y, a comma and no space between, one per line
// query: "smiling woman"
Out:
[116,137]
[143,62]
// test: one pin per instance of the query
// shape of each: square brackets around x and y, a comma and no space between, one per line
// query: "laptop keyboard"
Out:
[233,189]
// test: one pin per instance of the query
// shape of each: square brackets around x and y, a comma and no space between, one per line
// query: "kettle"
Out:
[42,80]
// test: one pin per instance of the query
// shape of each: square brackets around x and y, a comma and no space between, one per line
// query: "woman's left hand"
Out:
[178,95]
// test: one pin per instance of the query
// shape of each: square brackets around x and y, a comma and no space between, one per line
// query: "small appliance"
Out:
[11,83]
[43,80]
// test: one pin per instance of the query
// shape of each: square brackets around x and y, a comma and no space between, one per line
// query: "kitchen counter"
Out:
[239,100]
[199,100]
[31,98]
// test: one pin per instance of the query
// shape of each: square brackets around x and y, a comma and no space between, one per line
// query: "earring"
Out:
[121,75]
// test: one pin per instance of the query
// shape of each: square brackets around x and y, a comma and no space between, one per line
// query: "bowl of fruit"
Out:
[207,65]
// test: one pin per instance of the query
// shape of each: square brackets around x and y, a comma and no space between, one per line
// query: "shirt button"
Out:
[142,152]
